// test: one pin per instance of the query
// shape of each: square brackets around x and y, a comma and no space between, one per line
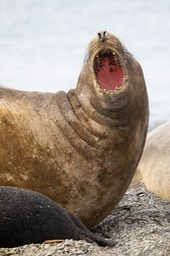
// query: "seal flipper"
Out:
[90,237]
[87,235]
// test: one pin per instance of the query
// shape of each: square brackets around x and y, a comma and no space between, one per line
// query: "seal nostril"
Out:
[102,35]
[99,35]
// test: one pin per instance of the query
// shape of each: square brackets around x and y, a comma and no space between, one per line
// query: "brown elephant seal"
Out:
[30,217]
[79,148]
[154,166]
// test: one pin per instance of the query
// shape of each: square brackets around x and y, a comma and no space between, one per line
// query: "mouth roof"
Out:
[109,73]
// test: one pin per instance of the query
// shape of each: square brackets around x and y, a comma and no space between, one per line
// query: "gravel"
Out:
[140,224]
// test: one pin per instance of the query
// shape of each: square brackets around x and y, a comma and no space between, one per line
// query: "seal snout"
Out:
[102,35]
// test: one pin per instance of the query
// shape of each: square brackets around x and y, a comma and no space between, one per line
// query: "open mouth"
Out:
[109,73]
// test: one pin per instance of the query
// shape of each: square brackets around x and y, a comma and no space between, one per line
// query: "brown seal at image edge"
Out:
[154,165]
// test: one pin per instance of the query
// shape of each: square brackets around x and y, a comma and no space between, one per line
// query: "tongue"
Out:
[109,74]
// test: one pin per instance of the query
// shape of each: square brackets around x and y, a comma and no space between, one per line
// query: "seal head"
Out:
[108,64]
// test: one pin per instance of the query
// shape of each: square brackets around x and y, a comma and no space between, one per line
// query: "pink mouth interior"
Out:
[109,73]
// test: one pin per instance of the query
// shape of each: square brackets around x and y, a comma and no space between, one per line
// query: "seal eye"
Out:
[109,73]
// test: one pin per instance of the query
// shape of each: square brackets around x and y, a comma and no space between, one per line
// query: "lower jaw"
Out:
[111,100]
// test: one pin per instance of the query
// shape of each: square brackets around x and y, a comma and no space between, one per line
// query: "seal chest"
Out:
[80,148]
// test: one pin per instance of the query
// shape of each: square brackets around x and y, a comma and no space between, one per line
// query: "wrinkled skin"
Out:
[80,148]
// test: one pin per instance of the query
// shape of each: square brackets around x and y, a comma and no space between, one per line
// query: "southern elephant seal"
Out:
[30,217]
[154,166]
[79,148]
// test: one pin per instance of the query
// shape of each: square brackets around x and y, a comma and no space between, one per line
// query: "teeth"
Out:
[105,53]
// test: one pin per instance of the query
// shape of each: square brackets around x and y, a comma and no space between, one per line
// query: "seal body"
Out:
[154,166]
[30,217]
[80,148]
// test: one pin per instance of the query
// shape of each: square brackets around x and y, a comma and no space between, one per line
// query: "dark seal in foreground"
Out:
[80,148]
[29,217]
